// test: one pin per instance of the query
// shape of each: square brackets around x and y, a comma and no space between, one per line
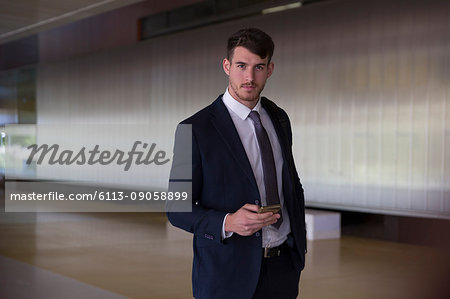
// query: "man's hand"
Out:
[247,221]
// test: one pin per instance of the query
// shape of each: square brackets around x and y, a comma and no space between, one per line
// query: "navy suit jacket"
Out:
[222,182]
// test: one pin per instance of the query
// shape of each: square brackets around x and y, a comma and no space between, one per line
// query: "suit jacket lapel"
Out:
[279,123]
[225,127]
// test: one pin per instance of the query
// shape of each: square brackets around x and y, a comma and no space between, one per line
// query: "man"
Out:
[242,160]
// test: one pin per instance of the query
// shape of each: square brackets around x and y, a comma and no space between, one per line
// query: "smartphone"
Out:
[271,208]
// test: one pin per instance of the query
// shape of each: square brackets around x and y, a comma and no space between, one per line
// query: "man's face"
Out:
[247,74]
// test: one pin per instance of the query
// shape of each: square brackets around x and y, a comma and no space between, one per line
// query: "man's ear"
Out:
[226,66]
[270,68]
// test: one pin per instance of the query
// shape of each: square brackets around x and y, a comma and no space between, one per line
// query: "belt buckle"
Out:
[272,252]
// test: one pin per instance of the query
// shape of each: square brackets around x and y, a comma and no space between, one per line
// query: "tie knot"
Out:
[254,115]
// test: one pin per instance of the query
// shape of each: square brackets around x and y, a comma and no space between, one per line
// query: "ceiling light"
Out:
[281,8]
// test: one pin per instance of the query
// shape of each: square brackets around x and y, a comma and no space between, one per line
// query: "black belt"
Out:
[275,251]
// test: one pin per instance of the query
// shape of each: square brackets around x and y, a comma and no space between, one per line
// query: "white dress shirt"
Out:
[271,236]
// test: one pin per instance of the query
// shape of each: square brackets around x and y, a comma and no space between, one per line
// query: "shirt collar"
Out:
[240,109]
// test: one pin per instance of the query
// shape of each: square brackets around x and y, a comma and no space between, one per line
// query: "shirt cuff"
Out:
[224,233]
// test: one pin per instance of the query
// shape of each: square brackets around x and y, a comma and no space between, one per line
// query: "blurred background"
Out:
[366,85]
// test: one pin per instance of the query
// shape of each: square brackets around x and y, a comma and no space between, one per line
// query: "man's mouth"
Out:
[249,87]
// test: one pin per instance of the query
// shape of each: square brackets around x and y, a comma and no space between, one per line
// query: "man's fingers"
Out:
[250,207]
[252,228]
[259,217]
[253,212]
[260,222]
[247,221]
[249,227]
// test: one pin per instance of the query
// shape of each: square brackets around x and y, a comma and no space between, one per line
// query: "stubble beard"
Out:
[243,97]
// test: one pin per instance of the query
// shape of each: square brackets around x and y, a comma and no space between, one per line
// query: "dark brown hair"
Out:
[256,41]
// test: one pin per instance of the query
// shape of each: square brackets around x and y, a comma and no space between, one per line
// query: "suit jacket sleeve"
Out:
[203,222]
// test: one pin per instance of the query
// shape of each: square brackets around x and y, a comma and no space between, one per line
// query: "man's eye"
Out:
[259,67]
[241,66]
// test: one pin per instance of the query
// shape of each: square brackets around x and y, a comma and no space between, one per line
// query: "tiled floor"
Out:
[55,255]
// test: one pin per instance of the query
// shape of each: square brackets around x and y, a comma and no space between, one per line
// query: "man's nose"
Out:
[250,74]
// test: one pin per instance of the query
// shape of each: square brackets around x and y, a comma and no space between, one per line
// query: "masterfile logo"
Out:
[146,156]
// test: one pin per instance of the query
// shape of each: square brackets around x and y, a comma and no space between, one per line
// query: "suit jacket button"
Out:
[257,234]
[256,202]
